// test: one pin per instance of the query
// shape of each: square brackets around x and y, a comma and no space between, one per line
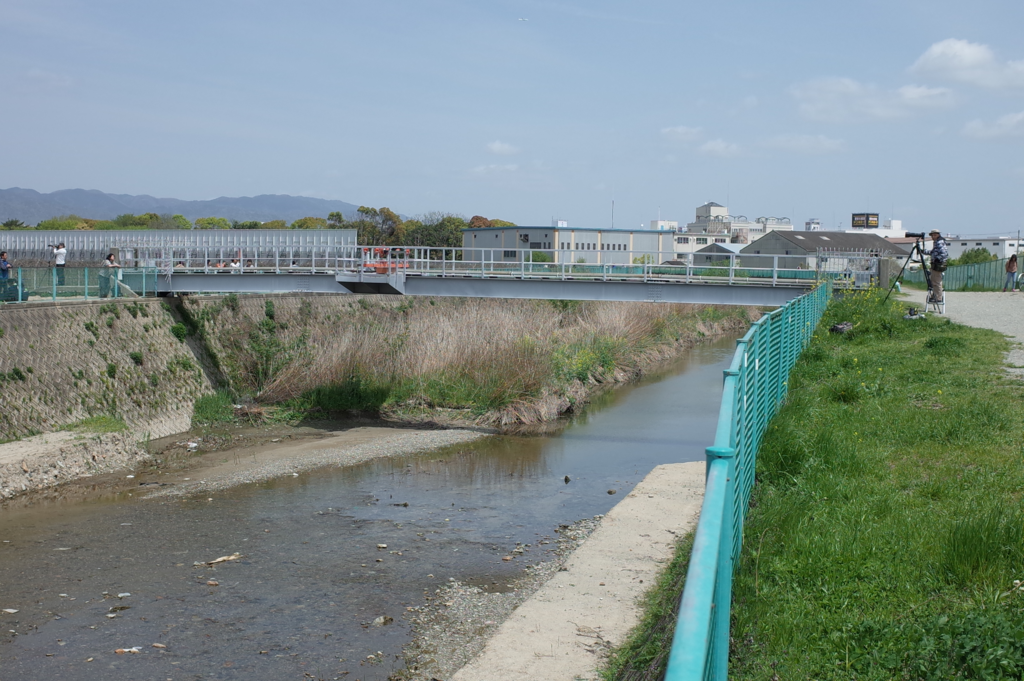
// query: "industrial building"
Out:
[801,249]
[566,244]
[1000,246]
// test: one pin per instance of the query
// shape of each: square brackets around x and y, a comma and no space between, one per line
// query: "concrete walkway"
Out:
[563,631]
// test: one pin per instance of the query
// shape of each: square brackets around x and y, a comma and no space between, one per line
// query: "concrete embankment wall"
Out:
[61,364]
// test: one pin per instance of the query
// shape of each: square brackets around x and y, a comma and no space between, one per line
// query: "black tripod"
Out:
[918,251]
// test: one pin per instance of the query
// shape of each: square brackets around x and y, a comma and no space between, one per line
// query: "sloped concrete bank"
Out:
[43,461]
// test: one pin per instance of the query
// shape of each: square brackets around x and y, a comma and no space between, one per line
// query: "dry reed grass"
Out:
[519,360]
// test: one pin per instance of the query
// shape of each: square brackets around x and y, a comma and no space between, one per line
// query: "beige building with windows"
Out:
[567,244]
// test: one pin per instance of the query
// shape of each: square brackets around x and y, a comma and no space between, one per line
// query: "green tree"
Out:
[63,223]
[502,223]
[129,221]
[181,221]
[274,224]
[310,223]
[250,224]
[384,220]
[212,223]
[14,224]
[437,230]
[538,256]
[973,256]
[167,222]
[336,220]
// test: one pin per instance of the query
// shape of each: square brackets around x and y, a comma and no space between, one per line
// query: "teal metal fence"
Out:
[755,385]
[41,284]
[986,276]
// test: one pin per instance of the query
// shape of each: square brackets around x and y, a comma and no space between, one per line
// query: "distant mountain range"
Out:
[30,206]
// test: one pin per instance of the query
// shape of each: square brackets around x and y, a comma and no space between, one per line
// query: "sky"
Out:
[529,110]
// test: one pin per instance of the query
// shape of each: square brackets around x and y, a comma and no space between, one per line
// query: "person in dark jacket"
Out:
[940,258]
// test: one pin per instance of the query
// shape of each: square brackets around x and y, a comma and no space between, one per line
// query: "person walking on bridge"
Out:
[1011,274]
[940,257]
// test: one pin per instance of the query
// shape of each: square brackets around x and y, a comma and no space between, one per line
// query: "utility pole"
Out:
[613,213]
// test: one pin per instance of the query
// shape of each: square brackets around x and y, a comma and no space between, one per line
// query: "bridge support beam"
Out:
[630,291]
[196,282]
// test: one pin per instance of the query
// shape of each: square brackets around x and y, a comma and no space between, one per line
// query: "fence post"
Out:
[86,288]
[726,558]
[53,272]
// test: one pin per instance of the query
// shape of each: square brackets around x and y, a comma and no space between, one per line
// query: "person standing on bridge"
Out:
[1011,274]
[940,257]
[5,267]
[60,254]
[107,275]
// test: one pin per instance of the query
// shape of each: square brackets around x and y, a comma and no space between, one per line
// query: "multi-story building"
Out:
[714,225]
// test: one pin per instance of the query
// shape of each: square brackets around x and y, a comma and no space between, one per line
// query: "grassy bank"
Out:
[886,533]
[498,362]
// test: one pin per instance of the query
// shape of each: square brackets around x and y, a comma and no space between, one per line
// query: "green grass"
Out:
[887,529]
[99,424]
[215,408]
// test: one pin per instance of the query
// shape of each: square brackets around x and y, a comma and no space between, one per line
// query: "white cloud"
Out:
[720,148]
[845,99]
[806,144]
[502,148]
[1010,125]
[967,62]
[682,133]
[495,168]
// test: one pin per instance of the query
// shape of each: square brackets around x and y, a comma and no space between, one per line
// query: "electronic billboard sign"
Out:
[864,221]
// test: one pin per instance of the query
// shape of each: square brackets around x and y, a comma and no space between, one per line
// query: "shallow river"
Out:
[300,602]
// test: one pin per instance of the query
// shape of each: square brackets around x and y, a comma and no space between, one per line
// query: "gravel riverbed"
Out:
[401,443]
[458,619]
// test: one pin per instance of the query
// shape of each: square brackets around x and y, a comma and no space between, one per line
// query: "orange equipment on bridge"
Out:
[381,263]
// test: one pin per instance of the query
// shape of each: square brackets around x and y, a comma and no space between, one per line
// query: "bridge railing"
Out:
[851,270]
[755,385]
[41,284]
[610,265]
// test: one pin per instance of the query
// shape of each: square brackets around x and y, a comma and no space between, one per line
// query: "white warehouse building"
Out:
[567,244]
[1000,246]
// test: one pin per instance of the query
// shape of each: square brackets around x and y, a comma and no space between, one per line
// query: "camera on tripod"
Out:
[915,235]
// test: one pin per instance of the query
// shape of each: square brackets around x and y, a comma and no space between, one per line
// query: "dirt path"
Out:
[563,631]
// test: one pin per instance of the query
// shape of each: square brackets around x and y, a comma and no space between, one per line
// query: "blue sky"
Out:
[913,109]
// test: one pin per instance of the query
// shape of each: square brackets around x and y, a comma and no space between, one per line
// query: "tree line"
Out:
[375,226]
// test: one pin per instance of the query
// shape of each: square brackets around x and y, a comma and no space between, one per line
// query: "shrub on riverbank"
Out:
[886,534]
[514,361]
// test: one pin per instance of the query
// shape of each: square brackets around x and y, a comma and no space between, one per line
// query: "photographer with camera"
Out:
[60,255]
[940,258]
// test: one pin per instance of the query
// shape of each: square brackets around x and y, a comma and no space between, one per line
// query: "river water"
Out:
[301,601]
